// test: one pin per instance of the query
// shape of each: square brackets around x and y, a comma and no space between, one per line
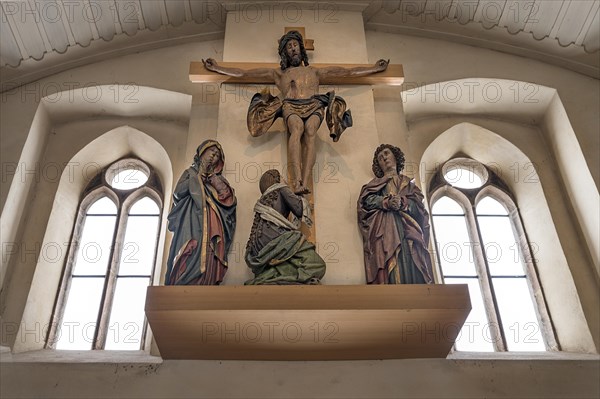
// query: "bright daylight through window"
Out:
[480,242]
[111,263]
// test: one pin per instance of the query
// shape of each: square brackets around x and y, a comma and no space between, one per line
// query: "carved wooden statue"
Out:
[202,220]
[302,107]
[394,224]
[277,252]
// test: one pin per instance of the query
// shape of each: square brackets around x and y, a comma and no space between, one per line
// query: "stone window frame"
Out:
[468,199]
[98,188]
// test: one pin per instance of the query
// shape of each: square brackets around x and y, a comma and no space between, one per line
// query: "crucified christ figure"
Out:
[302,107]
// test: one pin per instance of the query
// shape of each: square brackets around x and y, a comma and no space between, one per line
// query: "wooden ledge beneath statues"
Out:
[324,322]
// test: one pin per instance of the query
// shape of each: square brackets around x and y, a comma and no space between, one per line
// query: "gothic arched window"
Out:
[480,241]
[111,261]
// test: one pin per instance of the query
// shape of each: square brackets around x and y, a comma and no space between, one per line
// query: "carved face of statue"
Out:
[387,161]
[292,49]
[210,157]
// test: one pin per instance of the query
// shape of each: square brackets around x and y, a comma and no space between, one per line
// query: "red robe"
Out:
[395,242]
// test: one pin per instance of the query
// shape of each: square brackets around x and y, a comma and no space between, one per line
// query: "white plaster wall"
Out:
[169,71]
[429,61]
[14,214]
[425,61]
[425,378]
[17,112]
[566,149]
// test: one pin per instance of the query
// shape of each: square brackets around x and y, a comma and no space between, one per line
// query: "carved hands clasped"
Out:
[396,203]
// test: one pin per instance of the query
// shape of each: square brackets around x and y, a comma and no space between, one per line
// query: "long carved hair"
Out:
[291,35]
[398,154]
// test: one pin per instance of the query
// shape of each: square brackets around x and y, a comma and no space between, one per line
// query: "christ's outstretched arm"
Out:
[336,71]
[212,65]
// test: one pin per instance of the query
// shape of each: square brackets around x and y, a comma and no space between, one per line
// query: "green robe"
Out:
[287,257]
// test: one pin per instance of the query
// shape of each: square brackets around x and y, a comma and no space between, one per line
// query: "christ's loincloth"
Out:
[305,108]
[264,109]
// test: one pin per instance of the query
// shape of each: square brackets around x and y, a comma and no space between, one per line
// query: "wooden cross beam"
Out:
[392,76]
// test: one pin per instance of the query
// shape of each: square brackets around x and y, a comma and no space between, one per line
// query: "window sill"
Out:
[69,356]
[137,357]
[457,355]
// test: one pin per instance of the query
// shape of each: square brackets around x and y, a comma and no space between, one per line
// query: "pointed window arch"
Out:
[111,261]
[480,241]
